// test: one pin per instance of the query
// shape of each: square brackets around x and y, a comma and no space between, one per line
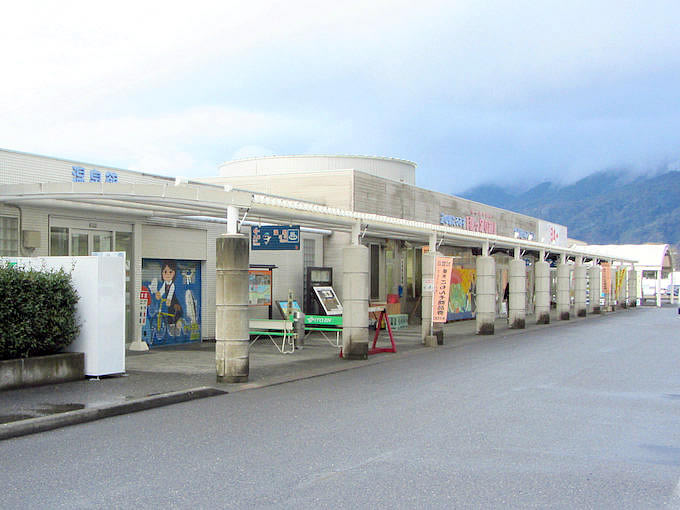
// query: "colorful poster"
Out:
[462,293]
[259,287]
[442,286]
[173,290]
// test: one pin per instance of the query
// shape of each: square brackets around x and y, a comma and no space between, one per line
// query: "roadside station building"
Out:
[168,229]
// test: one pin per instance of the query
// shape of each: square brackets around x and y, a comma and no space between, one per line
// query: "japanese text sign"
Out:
[272,237]
[442,286]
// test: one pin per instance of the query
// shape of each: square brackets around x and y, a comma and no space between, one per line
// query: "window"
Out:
[58,241]
[9,236]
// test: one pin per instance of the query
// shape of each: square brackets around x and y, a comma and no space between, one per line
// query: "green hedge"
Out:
[37,312]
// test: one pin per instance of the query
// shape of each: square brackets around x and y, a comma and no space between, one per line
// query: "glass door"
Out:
[101,240]
[80,245]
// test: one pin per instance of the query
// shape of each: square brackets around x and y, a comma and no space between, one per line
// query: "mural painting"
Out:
[462,293]
[174,301]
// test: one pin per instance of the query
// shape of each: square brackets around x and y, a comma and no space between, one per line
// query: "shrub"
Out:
[37,312]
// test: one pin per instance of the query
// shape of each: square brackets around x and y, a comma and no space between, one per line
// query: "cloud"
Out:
[471,91]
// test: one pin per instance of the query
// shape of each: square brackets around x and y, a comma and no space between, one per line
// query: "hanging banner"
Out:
[442,286]
[606,278]
[620,283]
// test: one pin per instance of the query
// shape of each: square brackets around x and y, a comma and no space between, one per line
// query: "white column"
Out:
[517,292]
[138,343]
[355,290]
[632,287]
[486,293]
[427,291]
[595,290]
[232,337]
[658,288]
[563,298]
[580,288]
[542,292]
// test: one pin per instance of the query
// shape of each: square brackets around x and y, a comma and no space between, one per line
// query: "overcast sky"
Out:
[513,92]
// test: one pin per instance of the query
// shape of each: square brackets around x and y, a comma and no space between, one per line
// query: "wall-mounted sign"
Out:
[475,222]
[552,233]
[524,234]
[452,221]
[79,174]
[480,222]
[273,237]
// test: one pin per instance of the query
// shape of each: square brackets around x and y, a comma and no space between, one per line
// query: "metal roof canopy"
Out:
[183,200]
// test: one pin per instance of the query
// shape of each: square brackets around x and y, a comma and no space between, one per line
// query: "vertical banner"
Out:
[620,281]
[442,286]
[606,278]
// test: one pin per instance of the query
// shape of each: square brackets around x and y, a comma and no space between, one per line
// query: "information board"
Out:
[329,301]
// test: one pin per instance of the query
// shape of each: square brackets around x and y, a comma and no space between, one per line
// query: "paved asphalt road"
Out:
[586,415]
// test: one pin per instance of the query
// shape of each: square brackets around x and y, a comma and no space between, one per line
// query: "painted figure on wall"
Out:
[174,302]
[166,294]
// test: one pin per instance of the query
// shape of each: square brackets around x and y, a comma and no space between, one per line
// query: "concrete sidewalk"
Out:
[169,375]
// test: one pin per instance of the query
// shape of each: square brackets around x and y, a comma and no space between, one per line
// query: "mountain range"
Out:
[607,207]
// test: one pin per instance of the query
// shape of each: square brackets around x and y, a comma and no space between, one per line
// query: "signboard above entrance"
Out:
[273,237]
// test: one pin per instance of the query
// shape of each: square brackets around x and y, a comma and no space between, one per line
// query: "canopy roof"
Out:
[653,256]
[204,201]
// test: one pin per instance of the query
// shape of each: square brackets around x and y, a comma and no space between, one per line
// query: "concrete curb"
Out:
[54,421]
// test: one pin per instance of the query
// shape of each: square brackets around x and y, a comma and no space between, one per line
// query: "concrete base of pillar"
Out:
[543,318]
[581,312]
[486,328]
[232,379]
[518,324]
[357,350]
[431,341]
[140,346]
[564,316]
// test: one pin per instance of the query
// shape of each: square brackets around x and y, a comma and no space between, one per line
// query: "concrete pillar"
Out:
[542,292]
[427,292]
[580,289]
[517,293]
[138,343]
[632,288]
[355,287]
[232,344]
[486,294]
[563,298]
[595,290]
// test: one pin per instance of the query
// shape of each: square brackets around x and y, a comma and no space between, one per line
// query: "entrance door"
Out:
[80,245]
[84,242]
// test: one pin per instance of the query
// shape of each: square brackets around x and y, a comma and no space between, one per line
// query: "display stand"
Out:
[383,315]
